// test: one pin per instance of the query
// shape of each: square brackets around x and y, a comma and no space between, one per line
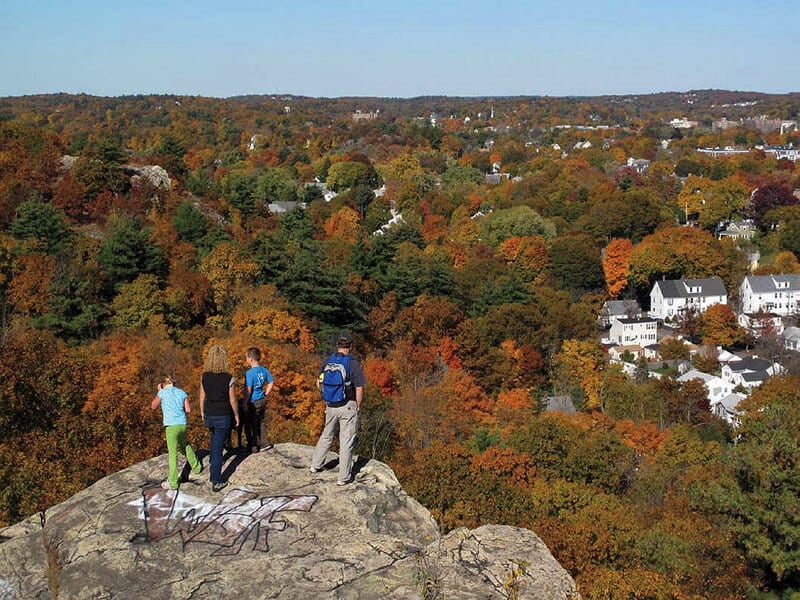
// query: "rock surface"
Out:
[153,174]
[277,531]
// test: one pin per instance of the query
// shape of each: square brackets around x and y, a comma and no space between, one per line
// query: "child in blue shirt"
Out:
[175,405]
[258,382]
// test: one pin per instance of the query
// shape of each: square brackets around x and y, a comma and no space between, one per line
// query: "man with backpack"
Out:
[341,382]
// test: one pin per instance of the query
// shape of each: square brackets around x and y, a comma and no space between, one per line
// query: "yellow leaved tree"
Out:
[229,269]
[581,363]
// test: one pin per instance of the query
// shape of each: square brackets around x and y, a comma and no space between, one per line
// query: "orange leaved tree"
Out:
[615,265]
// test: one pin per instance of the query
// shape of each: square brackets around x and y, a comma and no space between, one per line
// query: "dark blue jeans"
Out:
[220,427]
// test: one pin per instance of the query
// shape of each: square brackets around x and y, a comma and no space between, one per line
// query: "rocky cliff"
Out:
[277,531]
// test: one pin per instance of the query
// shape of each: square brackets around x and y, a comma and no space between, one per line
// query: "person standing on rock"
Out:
[341,382]
[219,408]
[258,382]
[174,403]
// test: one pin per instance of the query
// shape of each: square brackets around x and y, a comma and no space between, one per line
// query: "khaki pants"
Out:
[346,419]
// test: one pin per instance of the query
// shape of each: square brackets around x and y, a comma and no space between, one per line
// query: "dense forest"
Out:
[136,232]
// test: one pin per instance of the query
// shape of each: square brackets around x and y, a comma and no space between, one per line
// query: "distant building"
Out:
[717,387]
[358,115]
[727,408]
[760,323]
[779,294]
[496,177]
[748,373]
[765,125]
[669,298]
[723,124]
[738,230]
[640,165]
[726,151]
[683,123]
[396,219]
[641,331]
[327,193]
[783,152]
[791,338]
[613,309]
[633,352]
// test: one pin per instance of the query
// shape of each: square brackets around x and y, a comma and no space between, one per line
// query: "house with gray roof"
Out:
[641,331]
[761,323]
[727,408]
[670,298]
[615,309]
[738,230]
[791,338]
[749,372]
[778,294]
[716,387]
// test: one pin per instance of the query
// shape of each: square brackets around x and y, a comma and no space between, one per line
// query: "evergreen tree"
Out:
[41,222]
[128,253]
[190,223]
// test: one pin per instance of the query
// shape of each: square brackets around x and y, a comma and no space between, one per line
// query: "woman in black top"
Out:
[218,407]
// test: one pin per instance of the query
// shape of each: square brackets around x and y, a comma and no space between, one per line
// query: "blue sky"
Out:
[402,48]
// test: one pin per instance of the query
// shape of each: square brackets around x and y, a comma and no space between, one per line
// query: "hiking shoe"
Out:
[314,469]
[268,448]
[219,486]
[344,482]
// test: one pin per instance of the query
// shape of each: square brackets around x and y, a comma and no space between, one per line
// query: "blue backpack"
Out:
[335,378]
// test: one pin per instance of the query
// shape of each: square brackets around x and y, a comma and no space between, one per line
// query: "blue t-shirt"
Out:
[257,378]
[172,405]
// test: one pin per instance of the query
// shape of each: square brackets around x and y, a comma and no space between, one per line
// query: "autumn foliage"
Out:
[473,303]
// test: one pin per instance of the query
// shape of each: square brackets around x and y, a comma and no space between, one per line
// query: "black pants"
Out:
[255,424]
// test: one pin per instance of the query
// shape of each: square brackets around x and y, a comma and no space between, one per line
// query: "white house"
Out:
[717,387]
[669,298]
[727,408]
[738,230]
[641,331]
[788,152]
[761,323]
[397,217]
[791,338]
[749,372]
[683,123]
[779,294]
[617,355]
[640,165]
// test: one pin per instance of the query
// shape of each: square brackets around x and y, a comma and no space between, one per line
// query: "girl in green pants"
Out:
[175,405]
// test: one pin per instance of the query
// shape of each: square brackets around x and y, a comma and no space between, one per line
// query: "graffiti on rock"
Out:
[6,589]
[240,516]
